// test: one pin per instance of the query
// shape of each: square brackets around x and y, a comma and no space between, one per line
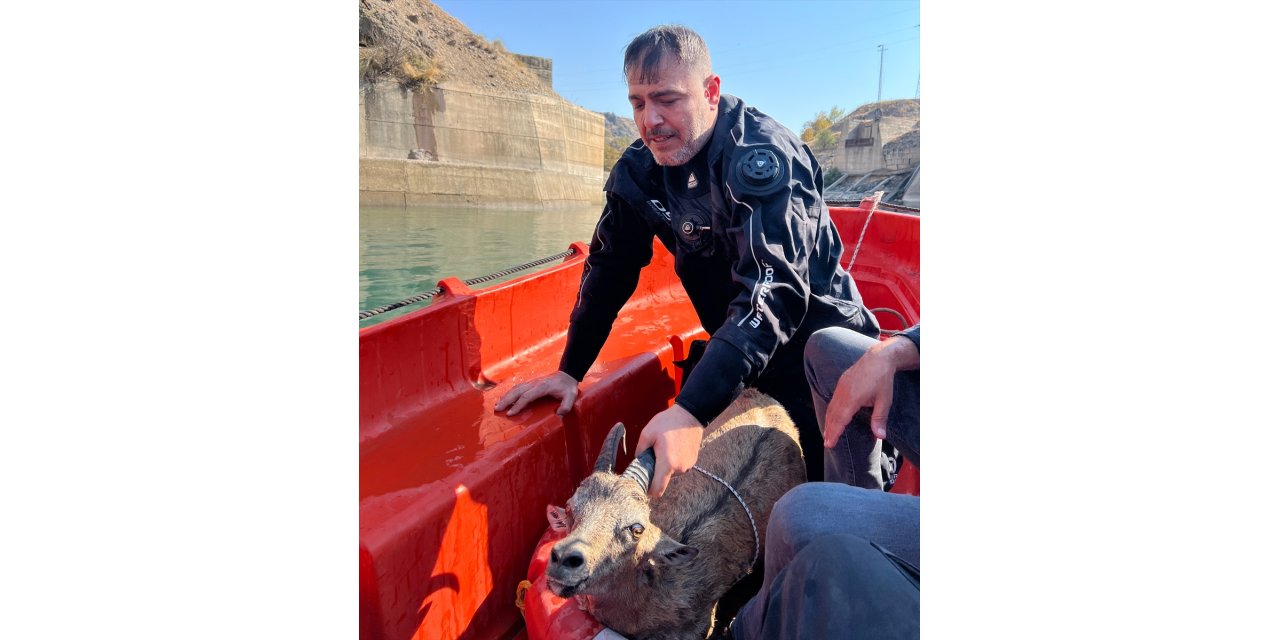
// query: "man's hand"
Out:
[675,436]
[557,385]
[869,383]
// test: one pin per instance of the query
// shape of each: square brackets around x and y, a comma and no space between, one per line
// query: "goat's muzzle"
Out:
[567,569]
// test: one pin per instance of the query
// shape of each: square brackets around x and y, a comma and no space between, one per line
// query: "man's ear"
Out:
[669,553]
[713,91]
[559,519]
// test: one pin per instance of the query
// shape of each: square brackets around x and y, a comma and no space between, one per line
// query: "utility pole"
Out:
[917,75]
[881,82]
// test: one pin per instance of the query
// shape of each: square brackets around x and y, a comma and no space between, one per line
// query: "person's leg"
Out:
[815,509]
[904,415]
[855,459]
[838,586]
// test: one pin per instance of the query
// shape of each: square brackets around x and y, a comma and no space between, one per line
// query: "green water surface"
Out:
[406,251]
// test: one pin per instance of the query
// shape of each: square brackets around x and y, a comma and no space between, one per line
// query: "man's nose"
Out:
[652,118]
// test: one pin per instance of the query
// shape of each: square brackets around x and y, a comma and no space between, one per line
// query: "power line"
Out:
[820,52]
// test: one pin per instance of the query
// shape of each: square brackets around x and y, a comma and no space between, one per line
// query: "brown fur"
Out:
[696,541]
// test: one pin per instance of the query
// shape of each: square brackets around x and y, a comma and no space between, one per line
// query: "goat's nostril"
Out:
[573,560]
[555,557]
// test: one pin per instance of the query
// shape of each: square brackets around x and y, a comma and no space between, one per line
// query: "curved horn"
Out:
[641,469]
[609,452]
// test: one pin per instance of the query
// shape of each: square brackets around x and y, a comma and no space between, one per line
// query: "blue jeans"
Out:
[855,459]
[836,559]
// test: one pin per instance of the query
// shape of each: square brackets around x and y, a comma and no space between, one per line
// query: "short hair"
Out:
[648,50]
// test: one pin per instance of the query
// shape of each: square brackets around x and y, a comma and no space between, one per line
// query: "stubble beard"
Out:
[687,151]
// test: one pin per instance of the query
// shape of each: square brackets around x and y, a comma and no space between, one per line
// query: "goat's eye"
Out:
[637,529]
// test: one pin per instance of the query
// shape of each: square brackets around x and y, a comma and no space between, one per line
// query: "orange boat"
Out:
[453,496]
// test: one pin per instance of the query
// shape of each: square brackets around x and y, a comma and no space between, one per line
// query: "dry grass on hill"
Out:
[905,108]
[416,43]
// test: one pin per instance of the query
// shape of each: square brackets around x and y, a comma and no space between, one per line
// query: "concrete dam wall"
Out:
[463,146]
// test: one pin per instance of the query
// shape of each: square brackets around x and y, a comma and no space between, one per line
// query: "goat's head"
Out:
[609,534]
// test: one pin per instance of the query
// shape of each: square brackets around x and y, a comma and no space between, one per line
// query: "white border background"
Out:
[179,255]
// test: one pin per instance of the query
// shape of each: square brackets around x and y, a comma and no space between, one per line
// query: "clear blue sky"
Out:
[788,59]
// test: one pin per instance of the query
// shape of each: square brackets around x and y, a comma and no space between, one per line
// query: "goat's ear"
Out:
[559,519]
[670,553]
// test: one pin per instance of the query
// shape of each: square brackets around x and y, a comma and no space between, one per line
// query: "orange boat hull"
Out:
[453,495]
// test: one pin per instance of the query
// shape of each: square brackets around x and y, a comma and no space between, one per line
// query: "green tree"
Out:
[817,131]
[613,148]
[830,175]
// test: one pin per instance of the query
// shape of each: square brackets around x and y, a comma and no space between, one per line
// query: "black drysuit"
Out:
[755,249]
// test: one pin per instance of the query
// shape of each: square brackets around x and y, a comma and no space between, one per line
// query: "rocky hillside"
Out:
[616,126]
[908,108]
[414,42]
[619,132]
[896,116]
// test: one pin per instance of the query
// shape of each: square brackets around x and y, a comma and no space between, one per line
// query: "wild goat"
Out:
[655,570]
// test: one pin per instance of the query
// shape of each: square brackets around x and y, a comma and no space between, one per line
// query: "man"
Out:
[837,557]
[737,198]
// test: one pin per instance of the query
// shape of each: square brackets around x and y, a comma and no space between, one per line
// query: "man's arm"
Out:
[621,246]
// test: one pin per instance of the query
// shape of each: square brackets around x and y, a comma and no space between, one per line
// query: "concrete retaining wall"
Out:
[480,148]
[408,183]
[540,66]
[863,159]
[891,128]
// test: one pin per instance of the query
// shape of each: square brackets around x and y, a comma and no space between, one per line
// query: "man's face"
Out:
[675,111]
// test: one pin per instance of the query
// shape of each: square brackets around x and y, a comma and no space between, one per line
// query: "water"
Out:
[406,251]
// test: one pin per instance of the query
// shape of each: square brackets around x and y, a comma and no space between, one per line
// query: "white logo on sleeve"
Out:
[765,285]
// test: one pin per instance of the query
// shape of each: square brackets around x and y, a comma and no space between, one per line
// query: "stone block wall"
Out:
[904,152]
[857,160]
